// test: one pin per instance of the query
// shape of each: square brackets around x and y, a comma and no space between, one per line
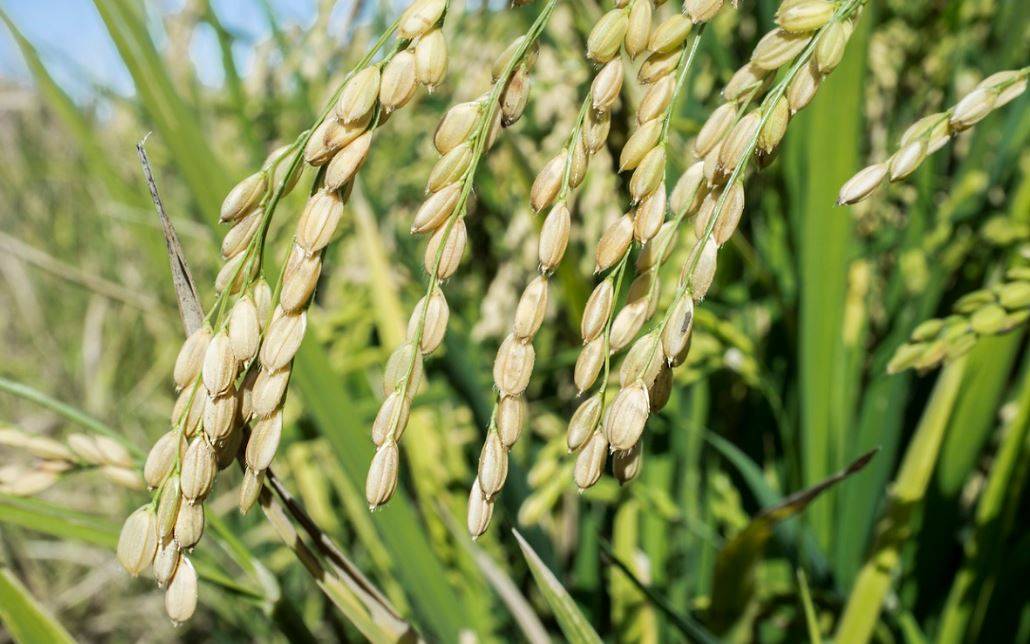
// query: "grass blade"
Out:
[824,241]
[874,579]
[997,508]
[733,581]
[575,626]
[811,622]
[172,119]
[686,624]
[25,620]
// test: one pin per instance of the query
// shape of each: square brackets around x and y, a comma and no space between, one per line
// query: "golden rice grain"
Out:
[435,210]
[513,366]
[243,197]
[529,312]
[181,595]
[391,419]
[554,237]
[137,542]
[445,250]
[584,422]
[191,357]
[382,475]
[189,525]
[614,243]
[359,95]
[198,470]
[493,465]
[588,364]
[264,441]
[511,419]
[627,416]
[590,461]
[431,59]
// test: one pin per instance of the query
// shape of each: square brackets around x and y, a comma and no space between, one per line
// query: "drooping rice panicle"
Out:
[464,135]
[238,361]
[931,133]
[989,311]
[628,27]
[727,143]
[56,459]
[606,328]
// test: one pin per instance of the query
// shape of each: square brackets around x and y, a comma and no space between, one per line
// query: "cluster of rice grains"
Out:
[931,133]
[987,311]
[55,459]
[234,370]
[806,46]
[626,27]
[462,138]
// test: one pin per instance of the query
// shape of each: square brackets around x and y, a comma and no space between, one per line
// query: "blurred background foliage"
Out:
[785,385]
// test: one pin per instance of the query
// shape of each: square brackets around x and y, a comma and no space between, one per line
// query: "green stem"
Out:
[1000,496]
[874,580]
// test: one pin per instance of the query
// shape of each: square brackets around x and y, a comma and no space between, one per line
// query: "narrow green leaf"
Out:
[861,613]
[997,508]
[63,523]
[575,626]
[733,582]
[825,239]
[811,622]
[67,411]
[686,624]
[24,618]
[172,119]
[82,132]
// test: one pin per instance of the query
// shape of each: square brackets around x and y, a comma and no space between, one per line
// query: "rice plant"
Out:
[561,320]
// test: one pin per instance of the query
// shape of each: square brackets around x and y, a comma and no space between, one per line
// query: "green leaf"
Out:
[24,618]
[825,240]
[570,618]
[811,622]
[165,108]
[790,533]
[82,132]
[733,582]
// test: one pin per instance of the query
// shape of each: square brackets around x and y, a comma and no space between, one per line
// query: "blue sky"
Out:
[74,44]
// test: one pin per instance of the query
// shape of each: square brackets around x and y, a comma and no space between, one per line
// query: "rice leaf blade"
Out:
[23,616]
[572,621]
